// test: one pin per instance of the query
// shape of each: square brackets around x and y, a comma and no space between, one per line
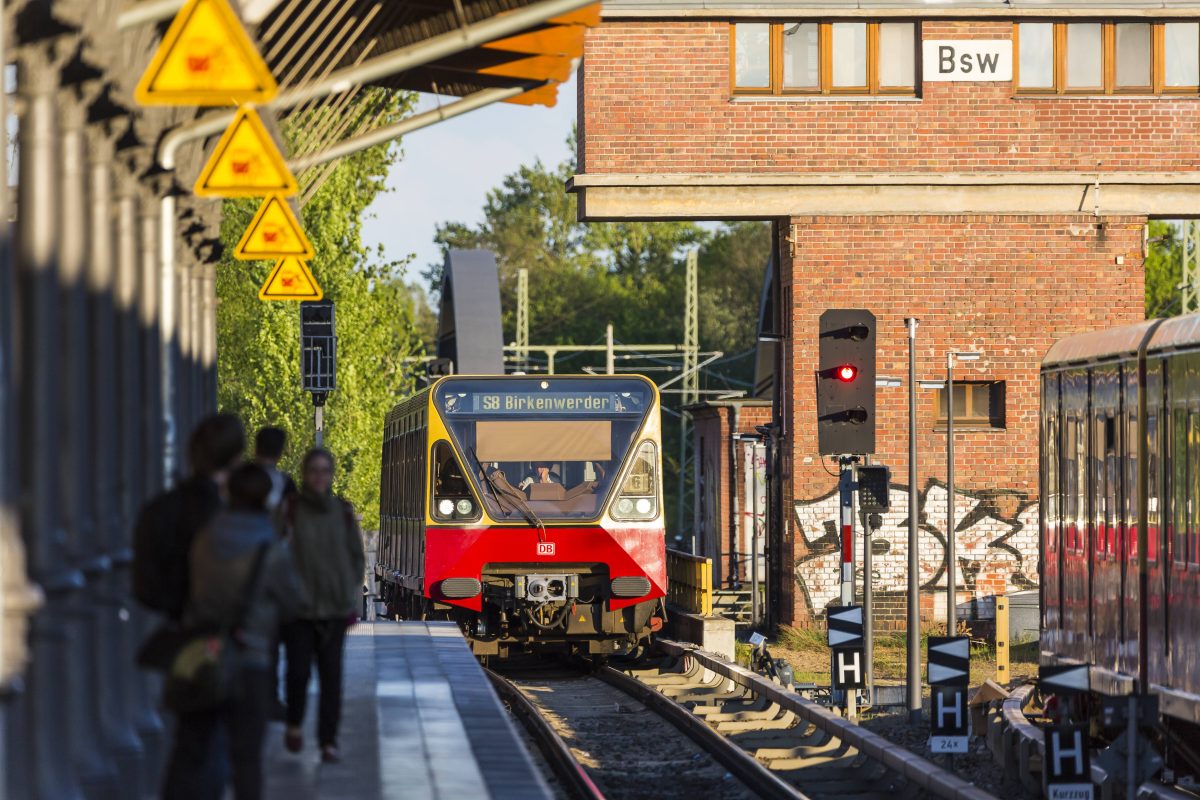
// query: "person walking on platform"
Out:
[325,538]
[244,580]
[268,450]
[167,524]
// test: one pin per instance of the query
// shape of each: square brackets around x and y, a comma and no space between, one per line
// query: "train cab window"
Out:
[544,449]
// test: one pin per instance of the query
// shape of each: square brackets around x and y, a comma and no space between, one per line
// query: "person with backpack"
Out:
[325,538]
[167,524]
[243,584]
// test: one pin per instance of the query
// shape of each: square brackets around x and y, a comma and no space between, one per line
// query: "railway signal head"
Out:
[846,382]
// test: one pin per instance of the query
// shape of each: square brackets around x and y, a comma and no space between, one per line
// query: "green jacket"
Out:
[328,549]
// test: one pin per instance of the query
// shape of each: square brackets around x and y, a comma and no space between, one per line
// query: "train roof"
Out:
[1114,344]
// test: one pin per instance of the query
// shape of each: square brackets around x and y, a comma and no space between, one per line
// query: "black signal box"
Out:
[873,481]
[318,349]
[846,382]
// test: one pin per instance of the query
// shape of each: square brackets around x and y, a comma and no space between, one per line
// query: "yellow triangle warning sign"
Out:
[205,59]
[246,162]
[273,233]
[290,279]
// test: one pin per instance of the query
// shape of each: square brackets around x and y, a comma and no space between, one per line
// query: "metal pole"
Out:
[610,362]
[846,501]
[523,317]
[914,559]
[319,421]
[951,557]
[868,608]
[748,480]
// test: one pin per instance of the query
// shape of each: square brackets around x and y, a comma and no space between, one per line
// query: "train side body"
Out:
[1120,473]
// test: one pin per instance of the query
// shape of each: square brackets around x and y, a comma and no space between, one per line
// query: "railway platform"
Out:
[420,720]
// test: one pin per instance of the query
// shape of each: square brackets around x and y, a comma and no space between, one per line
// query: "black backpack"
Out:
[162,541]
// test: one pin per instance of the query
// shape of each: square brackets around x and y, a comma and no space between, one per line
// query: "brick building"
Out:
[986,167]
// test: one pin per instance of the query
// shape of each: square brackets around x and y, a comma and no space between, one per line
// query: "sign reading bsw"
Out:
[967,60]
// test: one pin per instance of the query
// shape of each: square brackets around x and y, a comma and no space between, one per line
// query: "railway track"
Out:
[749,737]
[1018,745]
[603,743]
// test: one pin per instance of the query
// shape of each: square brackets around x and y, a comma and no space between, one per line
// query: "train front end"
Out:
[545,519]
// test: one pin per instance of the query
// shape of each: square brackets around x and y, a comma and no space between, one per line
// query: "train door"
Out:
[1157,520]
[1183,578]
[1076,530]
[1127,651]
[1051,550]
[1105,595]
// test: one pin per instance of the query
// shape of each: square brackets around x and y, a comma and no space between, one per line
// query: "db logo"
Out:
[545,548]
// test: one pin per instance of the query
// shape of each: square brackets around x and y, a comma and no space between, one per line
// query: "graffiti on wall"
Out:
[996,544]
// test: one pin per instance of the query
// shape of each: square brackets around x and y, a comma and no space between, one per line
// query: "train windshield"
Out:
[544,448]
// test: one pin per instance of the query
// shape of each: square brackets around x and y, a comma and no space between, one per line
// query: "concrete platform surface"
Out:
[420,720]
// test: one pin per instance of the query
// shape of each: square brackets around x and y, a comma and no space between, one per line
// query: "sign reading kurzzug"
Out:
[966,60]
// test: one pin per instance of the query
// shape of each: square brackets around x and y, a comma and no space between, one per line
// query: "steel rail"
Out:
[566,767]
[925,774]
[741,764]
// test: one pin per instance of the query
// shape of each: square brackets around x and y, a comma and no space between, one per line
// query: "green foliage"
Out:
[1164,269]
[259,364]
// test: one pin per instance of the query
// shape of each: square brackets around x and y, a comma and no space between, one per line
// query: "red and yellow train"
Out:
[527,508]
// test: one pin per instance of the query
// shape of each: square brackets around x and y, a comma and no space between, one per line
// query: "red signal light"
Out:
[847,373]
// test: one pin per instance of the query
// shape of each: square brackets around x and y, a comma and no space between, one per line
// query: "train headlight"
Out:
[638,499]
[464,507]
[445,507]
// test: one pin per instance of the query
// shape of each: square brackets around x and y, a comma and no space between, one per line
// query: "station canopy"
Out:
[338,34]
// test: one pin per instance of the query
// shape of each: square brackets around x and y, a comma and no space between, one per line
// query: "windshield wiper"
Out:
[507,494]
[487,481]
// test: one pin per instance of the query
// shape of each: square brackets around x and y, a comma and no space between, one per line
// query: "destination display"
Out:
[547,402]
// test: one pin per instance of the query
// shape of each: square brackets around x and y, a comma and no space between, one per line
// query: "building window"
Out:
[976,404]
[823,58]
[1107,57]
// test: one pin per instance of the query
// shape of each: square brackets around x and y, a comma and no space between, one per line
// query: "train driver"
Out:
[542,472]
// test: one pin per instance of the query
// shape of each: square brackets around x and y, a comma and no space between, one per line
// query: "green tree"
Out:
[1164,268]
[259,369]
[732,267]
